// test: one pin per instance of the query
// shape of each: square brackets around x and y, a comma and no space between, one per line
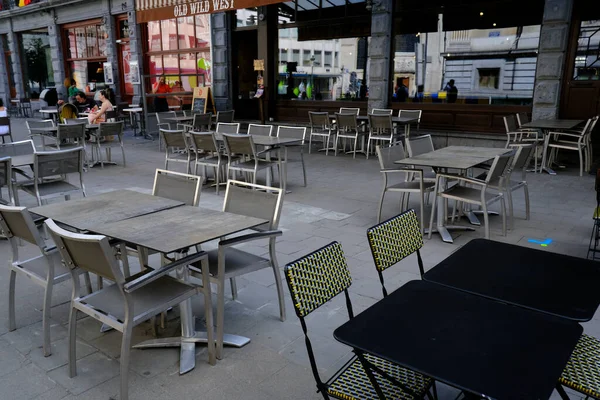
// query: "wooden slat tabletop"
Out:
[178,228]
[90,212]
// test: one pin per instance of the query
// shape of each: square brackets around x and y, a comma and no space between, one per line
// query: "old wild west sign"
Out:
[155,10]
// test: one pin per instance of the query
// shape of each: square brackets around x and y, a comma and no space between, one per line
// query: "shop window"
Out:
[36,61]
[587,59]
[296,56]
[489,78]
[328,59]
[283,56]
[306,58]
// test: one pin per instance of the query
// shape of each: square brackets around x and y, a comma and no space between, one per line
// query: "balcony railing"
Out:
[16,4]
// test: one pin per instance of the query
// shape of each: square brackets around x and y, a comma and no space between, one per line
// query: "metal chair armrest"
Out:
[558,134]
[157,273]
[410,170]
[249,237]
[463,179]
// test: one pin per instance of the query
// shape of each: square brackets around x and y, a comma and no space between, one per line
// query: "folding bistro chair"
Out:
[393,240]
[314,280]
[176,148]
[128,302]
[33,125]
[45,269]
[381,111]
[320,126]
[109,131]
[229,261]
[200,123]
[225,116]
[263,130]
[243,157]
[347,128]
[381,129]
[293,132]
[582,372]
[228,127]
[208,154]
[163,121]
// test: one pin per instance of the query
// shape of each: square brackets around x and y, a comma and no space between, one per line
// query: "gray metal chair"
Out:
[6,180]
[68,136]
[177,186]
[418,145]
[229,261]
[225,116]
[321,127]
[411,179]
[45,269]
[411,114]
[478,195]
[382,111]
[263,130]
[293,132]
[50,175]
[112,133]
[381,129]
[346,110]
[128,302]
[5,121]
[228,127]
[578,141]
[347,128]
[201,123]
[163,121]
[243,157]
[33,125]
[208,154]
[21,148]
[176,148]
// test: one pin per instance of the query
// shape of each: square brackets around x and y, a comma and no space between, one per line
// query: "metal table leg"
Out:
[545,167]
[189,333]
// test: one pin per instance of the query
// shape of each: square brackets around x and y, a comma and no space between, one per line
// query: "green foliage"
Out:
[35,56]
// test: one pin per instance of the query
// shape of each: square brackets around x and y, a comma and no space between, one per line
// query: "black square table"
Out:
[488,348]
[543,281]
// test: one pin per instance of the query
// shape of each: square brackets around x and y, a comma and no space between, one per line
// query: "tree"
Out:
[36,62]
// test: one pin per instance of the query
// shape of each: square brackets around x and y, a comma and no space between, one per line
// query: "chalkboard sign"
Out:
[199,104]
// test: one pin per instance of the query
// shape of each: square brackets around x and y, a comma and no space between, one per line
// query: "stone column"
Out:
[15,59]
[221,46]
[379,54]
[58,64]
[554,38]
[4,78]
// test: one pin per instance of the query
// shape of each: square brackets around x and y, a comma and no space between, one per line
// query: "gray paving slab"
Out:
[339,203]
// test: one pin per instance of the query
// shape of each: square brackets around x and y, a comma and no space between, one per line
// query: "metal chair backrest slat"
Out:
[177,186]
[418,145]
[347,122]
[46,123]
[202,122]
[228,127]
[318,277]
[346,110]
[500,166]
[91,253]
[510,123]
[70,131]
[163,117]
[381,124]
[111,129]
[389,154]
[54,163]
[411,114]
[521,160]
[522,118]
[239,144]
[173,138]
[225,116]
[17,222]
[205,141]
[319,120]
[263,130]
[293,132]
[254,201]
[21,148]
[381,111]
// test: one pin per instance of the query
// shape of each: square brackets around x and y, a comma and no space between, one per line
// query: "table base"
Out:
[443,231]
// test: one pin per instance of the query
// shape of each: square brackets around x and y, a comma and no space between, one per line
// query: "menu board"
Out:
[203,100]
[199,104]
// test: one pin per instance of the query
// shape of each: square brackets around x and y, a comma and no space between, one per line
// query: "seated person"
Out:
[84,103]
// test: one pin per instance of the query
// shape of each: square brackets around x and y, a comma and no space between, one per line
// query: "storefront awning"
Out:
[156,10]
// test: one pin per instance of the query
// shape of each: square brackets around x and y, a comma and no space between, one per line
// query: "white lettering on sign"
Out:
[202,7]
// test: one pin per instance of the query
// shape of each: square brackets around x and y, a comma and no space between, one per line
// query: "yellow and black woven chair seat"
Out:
[582,372]
[352,382]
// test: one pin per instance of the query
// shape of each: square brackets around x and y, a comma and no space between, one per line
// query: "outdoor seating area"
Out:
[194,255]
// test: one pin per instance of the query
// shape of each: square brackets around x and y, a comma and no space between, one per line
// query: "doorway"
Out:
[245,51]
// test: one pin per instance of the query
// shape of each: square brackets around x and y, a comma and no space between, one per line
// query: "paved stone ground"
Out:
[338,204]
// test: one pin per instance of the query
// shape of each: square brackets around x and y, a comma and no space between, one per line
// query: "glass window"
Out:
[318,60]
[336,59]
[81,43]
[36,62]
[123,29]
[328,59]
[154,42]
[296,56]
[587,64]
[306,58]
[283,56]
[92,41]
[489,78]
[247,17]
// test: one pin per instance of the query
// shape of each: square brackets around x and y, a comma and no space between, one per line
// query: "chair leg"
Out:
[368,147]
[526,190]
[220,316]
[580,162]
[310,143]
[486,220]
[380,205]
[422,208]
[278,284]
[73,343]
[510,208]
[433,209]
[125,261]
[335,141]
[46,317]
[11,301]
[303,166]
[208,312]
[125,356]
[355,143]
[327,147]
[88,282]
[233,285]
[503,209]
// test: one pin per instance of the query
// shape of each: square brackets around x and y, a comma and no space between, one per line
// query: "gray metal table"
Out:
[169,231]
[546,126]
[88,213]
[453,157]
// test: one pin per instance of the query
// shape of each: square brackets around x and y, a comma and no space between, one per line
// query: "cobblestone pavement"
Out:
[338,204]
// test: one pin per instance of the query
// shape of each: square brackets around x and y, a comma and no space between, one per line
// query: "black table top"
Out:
[485,347]
[553,283]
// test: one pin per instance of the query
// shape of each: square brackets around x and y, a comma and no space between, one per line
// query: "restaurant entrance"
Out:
[245,45]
